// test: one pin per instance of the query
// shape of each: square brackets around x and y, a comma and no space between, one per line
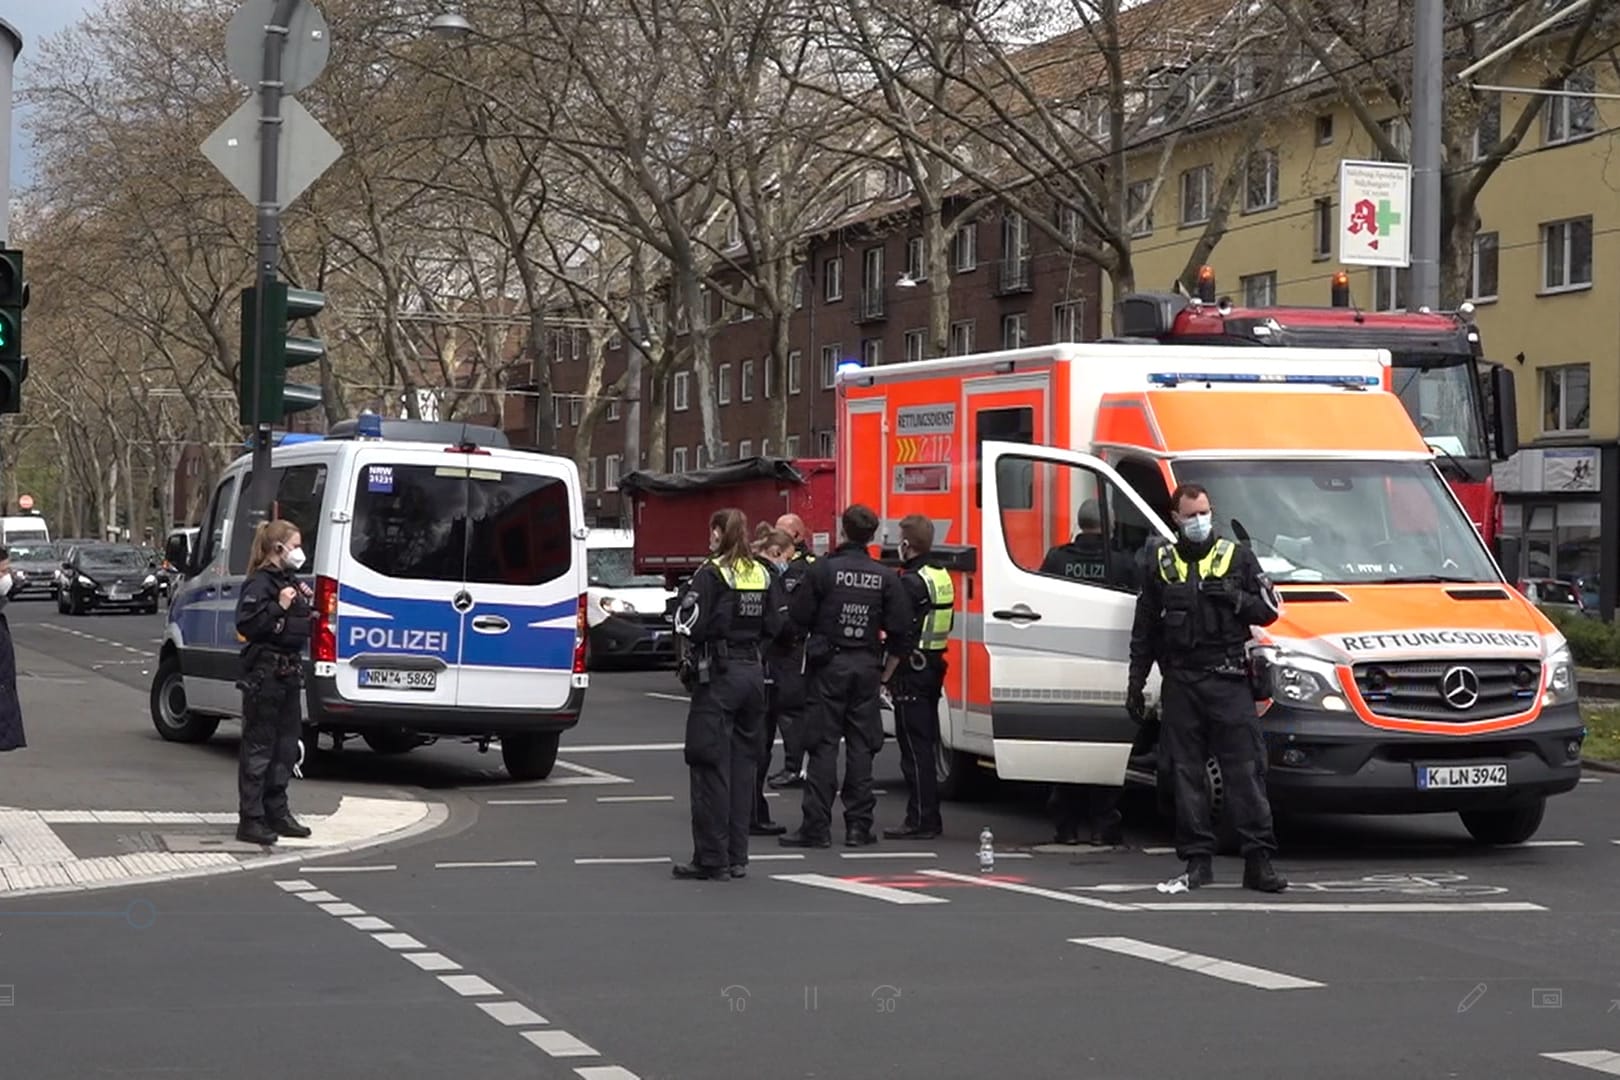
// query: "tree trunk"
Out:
[937,253]
[702,366]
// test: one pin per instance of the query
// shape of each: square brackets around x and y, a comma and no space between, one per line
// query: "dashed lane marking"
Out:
[1603,1061]
[470,985]
[526,802]
[1212,966]
[625,748]
[495,864]
[1434,907]
[347,869]
[1547,843]
[1591,780]
[639,860]
[511,1013]
[432,961]
[888,855]
[397,941]
[560,1044]
[860,888]
[634,798]
[683,699]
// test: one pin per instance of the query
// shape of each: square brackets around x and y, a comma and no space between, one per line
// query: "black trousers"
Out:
[722,753]
[1212,715]
[784,712]
[271,720]
[843,704]
[916,729]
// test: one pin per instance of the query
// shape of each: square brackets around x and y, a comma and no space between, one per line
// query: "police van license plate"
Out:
[396,679]
[1462,776]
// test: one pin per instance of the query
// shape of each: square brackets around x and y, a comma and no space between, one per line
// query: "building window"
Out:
[764,448]
[683,319]
[871,352]
[798,287]
[1322,229]
[1259,290]
[1014,236]
[792,446]
[1566,254]
[872,269]
[829,364]
[832,279]
[615,342]
[965,247]
[747,390]
[590,475]
[1389,288]
[745,449]
[1324,130]
[613,410]
[1070,226]
[683,390]
[1066,321]
[678,460]
[1260,181]
[556,410]
[1196,189]
[702,456]
[1488,131]
[1570,118]
[733,232]
[770,376]
[794,364]
[1566,398]
[576,410]
[916,344]
[916,260]
[1482,274]
[722,384]
[745,307]
[824,444]
[610,472]
[962,337]
[1399,132]
[1138,211]
[1015,330]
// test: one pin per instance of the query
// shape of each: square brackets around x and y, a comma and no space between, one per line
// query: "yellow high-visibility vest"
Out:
[1173,568]
[936,627]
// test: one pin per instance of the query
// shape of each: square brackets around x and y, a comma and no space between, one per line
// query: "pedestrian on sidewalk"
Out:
[273,622]
[11,723]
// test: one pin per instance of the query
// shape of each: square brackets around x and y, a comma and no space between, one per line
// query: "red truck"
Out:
[1462,403]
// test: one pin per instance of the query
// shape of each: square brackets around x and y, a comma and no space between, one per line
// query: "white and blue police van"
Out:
[449,579]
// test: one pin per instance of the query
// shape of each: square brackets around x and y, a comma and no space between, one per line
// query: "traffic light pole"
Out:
[260,492]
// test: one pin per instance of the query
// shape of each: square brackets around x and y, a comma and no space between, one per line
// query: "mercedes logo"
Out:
[463,602]
[1460,687]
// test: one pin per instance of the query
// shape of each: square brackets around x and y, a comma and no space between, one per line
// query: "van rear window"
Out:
[454,523]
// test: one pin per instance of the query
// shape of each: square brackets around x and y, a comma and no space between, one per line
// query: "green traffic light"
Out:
[5,333]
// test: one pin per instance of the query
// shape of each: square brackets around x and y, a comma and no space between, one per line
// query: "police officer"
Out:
[1193,618]
[774,551]
[846,600]
[273,620]
[730,611]
[786,707]
[918,682]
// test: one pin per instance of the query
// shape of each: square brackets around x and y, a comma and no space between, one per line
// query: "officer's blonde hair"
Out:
[269,541]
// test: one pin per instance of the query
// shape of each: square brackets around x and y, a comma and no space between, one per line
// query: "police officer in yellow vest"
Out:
[731,611]
[917,682]
[1192,618]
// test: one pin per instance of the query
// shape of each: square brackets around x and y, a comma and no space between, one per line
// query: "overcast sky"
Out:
[35,20]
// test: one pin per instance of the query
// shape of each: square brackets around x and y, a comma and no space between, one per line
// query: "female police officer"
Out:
[272,619]
[730,612]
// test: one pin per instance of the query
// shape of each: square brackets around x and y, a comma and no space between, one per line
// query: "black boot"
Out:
[859,838]
[694,872]
[289,826]
[1260,875]
[255,831]
[798,839]
[739,871]
[1200,871]
[767,828]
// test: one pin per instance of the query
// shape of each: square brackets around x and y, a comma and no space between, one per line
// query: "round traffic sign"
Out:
[303,58]
[26,502]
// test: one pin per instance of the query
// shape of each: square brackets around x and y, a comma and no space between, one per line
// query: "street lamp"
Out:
[451,24]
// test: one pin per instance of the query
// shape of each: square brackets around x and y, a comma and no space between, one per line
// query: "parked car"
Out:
[33,568]
[105,577]
[1554,595]
[627,612]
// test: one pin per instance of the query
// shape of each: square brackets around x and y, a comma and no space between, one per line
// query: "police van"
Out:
[449,579]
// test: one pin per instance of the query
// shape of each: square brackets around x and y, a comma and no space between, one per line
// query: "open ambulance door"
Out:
[1057,621]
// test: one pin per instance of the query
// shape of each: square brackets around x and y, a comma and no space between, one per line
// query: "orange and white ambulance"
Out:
[1407,675]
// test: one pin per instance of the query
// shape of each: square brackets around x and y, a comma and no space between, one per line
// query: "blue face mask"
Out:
[1198,527]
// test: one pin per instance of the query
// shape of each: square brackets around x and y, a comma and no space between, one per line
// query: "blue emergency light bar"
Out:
[285,438]
[1171,378]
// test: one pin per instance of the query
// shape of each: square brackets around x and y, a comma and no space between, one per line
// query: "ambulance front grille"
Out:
[1448,691]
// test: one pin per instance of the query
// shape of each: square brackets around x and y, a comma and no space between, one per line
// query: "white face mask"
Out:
[294,559]
[1197,527]
[5,585]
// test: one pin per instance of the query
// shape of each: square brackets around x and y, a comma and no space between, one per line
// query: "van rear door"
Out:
[1058,610]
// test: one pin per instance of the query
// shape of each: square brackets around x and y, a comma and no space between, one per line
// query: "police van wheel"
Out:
[1511,826]
[391,742]
[173,720]
[530,756]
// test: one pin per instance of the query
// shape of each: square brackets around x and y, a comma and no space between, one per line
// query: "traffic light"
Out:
[268,351]
[13,298]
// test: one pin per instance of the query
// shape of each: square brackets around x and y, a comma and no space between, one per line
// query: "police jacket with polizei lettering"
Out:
[848,597]
[738,603]
[1083,559]
[1196,607]
[265,628]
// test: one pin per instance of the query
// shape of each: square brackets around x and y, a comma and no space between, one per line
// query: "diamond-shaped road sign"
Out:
[307,150]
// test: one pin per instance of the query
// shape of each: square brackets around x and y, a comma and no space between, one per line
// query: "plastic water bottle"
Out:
[987,852]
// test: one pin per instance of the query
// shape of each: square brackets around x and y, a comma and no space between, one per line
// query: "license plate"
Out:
[1462,776]
[115,593]
[397,679]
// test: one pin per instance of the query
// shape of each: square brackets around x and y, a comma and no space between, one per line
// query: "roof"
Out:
[1194,420]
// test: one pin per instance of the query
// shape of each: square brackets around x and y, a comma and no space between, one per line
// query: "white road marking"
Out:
[637,861]
[397,941]
[1065,849]
[626,748]
[635,798]
[346,869]
[1028,890]
[1548,843]
[887,855]
[302,886]
[1590,780]
[860,888]
[432,961]
[512,1013]
[1203,965]
[1397,908]
[27,840]
[682,698]
[526,802]
[605,1072]
[1158,851]
[585,771]
[317,897]
[369,922]
[469,985]
[1603,1061]
[341,908]
[775,858]
[559,1044]
[482,865]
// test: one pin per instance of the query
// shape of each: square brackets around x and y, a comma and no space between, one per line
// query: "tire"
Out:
[174,722]
[1513,825]
[960,777]
[390,742]
[530,756]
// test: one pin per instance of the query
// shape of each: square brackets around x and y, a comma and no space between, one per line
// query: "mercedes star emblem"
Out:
[463,602]
[1460,687]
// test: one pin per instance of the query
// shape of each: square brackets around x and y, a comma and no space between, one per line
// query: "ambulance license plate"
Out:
[1462,776]
[396,679]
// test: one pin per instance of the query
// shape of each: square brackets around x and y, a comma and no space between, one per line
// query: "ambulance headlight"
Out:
[614,606]
[1301,681]
[1559,673]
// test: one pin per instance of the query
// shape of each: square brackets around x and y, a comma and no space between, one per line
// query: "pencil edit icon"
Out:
[1471,998]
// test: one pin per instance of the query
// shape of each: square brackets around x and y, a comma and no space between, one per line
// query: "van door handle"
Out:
[1018,613]
[490,624]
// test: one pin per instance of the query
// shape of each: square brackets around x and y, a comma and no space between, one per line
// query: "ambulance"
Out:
[1406,675]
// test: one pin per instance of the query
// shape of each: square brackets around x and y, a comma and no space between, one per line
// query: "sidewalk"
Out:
[1601,684]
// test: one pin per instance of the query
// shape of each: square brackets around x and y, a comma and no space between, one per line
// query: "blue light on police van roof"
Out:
[1171,378]
[368,425]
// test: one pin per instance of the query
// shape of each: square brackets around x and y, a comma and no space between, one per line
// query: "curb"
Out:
[1600,766]
[437,814]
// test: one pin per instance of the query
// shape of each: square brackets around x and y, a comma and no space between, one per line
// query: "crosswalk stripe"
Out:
[860,888]
[1203,965]
[1028,890]
[1603,1061]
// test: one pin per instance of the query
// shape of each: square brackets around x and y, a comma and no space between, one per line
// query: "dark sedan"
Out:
[106,577]
[33,568]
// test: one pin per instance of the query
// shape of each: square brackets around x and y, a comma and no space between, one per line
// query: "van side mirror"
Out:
[177,552]
[1504,414]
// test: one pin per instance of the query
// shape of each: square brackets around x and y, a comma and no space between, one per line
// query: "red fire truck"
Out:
[1463,404]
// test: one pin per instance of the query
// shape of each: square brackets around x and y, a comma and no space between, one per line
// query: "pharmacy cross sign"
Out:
[1373,213]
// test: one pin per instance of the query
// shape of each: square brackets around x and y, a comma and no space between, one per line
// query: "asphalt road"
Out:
[538,934]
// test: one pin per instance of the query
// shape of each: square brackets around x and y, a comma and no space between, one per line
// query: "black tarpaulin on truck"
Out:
[733,472]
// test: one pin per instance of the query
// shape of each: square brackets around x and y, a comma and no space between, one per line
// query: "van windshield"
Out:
[1350,522]
[611,568]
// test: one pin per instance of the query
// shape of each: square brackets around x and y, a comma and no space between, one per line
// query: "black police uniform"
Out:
[271,684]
[916,693]
[846,599]
[1193,615]
[729,614]
[786,698]
[1085,558]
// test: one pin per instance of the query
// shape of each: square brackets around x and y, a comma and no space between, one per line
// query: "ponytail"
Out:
[266,538]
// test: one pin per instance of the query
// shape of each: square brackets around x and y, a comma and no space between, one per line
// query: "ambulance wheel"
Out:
[173,720]
[391,742]
[960,777]
[530,756]
[1511,826]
